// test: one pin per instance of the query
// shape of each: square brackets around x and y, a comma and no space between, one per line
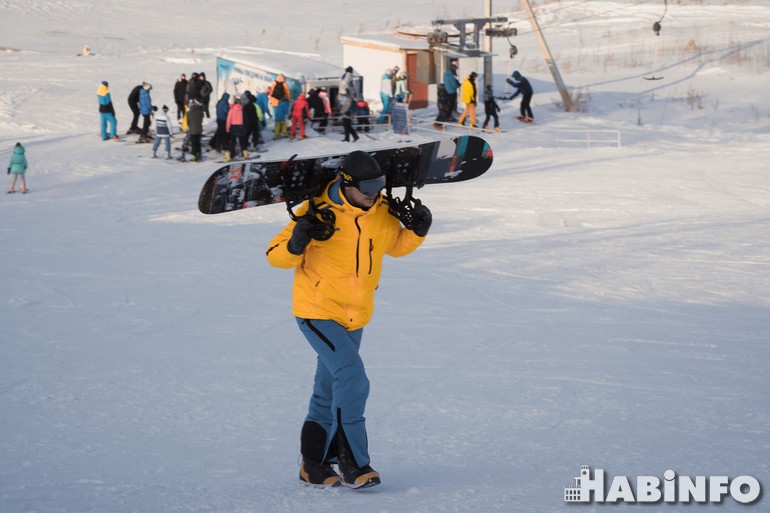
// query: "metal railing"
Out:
[588,137]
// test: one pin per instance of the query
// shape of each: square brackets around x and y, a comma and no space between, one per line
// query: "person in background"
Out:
[192,89]
[204,93]
[402,92]
[180,91]
[195,129]
[490,108]
[523,88]
[299,113]
[252,117]
[219,142]
[263,101]
[133,104]
[280,97]
[236,131]
[17,167]
[347,100]
[145,108]
[163,131]
[333,299]
[386,95]
[106,113]
[451,85]
[323,95]
[469,93]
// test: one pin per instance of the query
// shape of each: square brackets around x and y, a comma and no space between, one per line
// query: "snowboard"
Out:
[242,185]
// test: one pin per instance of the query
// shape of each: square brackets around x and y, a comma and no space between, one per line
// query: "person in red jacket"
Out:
[236,131]
[299,112]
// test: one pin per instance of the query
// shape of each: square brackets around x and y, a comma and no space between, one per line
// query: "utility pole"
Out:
[488,46]
[548,57]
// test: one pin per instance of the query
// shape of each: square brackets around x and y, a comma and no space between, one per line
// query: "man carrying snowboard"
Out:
[333,299]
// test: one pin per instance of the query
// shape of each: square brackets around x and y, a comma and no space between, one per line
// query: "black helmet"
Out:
[361,170]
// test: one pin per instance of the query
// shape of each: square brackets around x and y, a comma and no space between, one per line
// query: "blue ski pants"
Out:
[340,388]
[107,118]
[386,104]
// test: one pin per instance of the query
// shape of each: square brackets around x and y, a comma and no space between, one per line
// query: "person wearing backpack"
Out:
[279,101]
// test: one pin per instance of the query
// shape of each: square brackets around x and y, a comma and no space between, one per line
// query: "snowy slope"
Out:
[604,306]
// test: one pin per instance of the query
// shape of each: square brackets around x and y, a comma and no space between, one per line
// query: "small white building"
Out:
[371,55]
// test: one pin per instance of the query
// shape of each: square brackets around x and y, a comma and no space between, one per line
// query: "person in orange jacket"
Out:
[333,299]
[300,111]
[280,99]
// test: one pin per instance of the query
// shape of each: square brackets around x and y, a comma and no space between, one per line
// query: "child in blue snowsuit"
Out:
[17,167]
[106,112]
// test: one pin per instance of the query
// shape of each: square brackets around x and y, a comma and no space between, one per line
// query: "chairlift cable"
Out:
[588,16]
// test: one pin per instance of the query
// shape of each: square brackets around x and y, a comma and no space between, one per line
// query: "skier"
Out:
[333,299]
[524,88]
[133,104]
[299,113]
[163,130]
[490,108]
[180,90]
[17,166]
[145,109]
[468,92]
[107,112]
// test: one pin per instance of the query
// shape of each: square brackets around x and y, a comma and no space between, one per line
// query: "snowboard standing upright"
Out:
[250,184]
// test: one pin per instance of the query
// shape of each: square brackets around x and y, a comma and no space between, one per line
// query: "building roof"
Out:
[386,42]
[277,61]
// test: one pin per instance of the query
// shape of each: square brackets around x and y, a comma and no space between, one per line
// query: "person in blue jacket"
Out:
[219,142]
[451,85]
[17,167]
[386,95]
[263,101]
[106,112]
[145,109]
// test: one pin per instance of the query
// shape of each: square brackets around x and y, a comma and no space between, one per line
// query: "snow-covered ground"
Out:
[607,305]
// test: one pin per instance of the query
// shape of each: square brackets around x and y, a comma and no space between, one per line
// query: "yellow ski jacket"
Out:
[335,279]
[468,91]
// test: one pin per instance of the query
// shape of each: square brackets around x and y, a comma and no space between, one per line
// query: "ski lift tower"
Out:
[469,42]
[549,60]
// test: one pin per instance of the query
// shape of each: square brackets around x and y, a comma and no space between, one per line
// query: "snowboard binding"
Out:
[403,209]
[301,185]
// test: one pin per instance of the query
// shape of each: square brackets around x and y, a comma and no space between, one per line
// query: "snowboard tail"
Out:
[249,184]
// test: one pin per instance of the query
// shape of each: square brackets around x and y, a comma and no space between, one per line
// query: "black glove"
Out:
[300,237]
[422,219]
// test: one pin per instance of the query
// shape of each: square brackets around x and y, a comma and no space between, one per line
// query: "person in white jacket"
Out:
[163,131]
